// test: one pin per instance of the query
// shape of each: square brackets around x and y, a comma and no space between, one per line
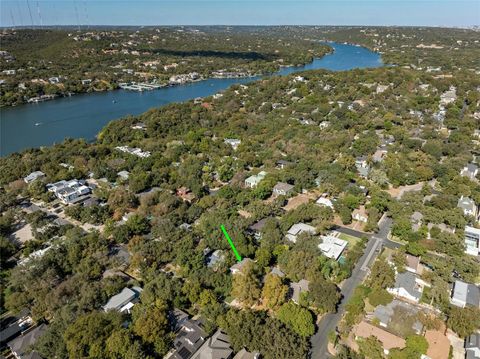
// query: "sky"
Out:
[453,13]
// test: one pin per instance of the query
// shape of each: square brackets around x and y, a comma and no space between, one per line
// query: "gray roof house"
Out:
[256,228]
[188,340]
[282,189]
[297,288]
[216,347]
[362,167]
[416,220]
[19,346]
[237,268]
[472,346]
[468,206]
[123,301]
[253,181]
[470,170]
[407,285]
[298,229]
[385,313]
[465,294]
[34,176]
[215,258]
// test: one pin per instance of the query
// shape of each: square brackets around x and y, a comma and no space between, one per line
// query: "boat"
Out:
[38,123]
[114,101]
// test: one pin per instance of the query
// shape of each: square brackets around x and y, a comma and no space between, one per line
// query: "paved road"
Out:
[329,322]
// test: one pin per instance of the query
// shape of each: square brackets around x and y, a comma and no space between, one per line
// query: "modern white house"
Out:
[123,301]
[253,181]
[472,241]
[69,191]
[34,176]
[332,247]
[298,229]
[465,294]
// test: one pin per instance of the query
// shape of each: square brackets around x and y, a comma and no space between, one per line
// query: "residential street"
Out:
[329,322]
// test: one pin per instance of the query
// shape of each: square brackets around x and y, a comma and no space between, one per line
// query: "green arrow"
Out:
[222,227]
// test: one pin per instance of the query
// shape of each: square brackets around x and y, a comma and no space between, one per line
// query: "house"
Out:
[54,80]
[190,337]
[69,192]
[465,294]
[243,354]
[186,194]
[472,346]
[468,206]
[257,228]
[408,286]
[298,229]
[297,288]
[13,326]
[470,171]
[472,241]
[34,176]
[134,151]
[238,267]
[216,258]
[22,344]
[362,166]
[123,301]
[324,201]
[277,272]
[216,347]
[388,340]
[282,189]
[388,314]
[413,264]
[360,214]
[233,142]
[282,164]
[139,126]
[253,181]
[416,220]
[379,154]
[123,175]
[332,247]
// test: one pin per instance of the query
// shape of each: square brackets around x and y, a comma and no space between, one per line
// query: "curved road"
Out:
[329,322]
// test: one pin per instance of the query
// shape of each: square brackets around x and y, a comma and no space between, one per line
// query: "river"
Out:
[84,115]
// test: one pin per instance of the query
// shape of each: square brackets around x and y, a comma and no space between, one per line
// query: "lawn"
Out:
[350,239]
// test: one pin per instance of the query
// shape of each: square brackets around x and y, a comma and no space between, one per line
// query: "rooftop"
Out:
[389,341]
[332,247]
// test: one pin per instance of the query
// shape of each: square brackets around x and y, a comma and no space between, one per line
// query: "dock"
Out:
[133,86]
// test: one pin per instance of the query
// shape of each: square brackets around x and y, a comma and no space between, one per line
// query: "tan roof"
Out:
[438,344]
[412,261]
[389,340]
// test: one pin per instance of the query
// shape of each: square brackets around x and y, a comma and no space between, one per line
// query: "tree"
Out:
[85,337]
[150,322]
[324,295]
[379,297]
[416,345]
[246,285]
[274,291]
[464,321]
[382,275]
[371,348]
[299,319]
[121,345]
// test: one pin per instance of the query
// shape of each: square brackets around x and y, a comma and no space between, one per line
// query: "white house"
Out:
[253,181]
[332,247]
[468,206]
[233,142]
[324,201]
[360,214]
[34,176]
[69,191]
[298,229]
[472,241]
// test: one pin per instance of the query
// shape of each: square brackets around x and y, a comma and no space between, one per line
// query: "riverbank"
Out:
[84,115]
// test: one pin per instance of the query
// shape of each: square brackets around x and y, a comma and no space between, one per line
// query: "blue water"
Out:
[83,116]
